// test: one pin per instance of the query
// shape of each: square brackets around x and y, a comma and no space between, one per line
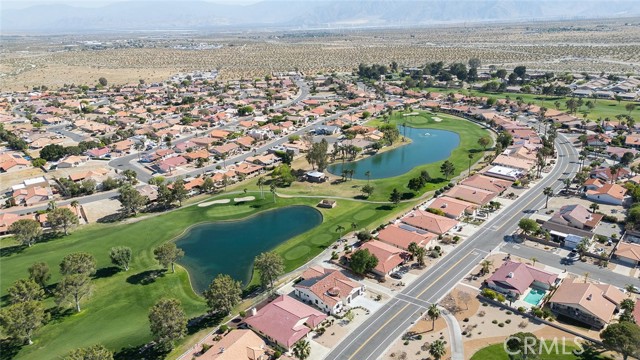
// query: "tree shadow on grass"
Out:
[10,348]
[385,207]
[11,250]
[106,272]
[204,321]
[57,314]
[408,195]
[146,277]
[111,218]
[140,352]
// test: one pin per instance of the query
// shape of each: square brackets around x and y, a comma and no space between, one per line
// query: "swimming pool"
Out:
[534,296]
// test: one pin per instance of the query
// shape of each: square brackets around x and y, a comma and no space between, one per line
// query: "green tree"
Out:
[63,218]
[165,196]
[72,289]
[504,139]
[548,192]
[24,290]
[261,183]
[270,265]
[52,152]
[317,155]
[433,312]
[78,263]
[131,199]
[95,352]
[131,176]
[594,207]
[623,338]
[362,261]
[447,169]
[179,192]
[26,231]
[302,350]
[437,349]
[39,162]
[168,323]
[416,183]
[395,196]
[102,81]
[167,254]
[528,226]
[208,185]
[120,256]
[19,321]
[485,266]
[484,142]
[40,273]
[522,346]
[390,133]
[421,252]
[223,294]
[367,190]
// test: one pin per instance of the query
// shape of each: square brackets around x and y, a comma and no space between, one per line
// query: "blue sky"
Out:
[21,4]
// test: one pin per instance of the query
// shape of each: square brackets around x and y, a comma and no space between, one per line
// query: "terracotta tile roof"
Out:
[471,194]
[431,222]
[240,344]
[576,213]
[401,237]
[452,207]
[614,190]
[588,296]
[628,250]
[488,183]
[388,256]
[331,287]
[517,276]
[283,319]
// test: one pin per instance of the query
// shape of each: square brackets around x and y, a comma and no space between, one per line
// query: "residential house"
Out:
[227,149]
[402,235]
[628,253]
[480,181]
[247,169]
[471,194]
[7,219]
[430,222]
[285,321]
[329,290]
[98,153]
[169,164]
[517,163]
[515,278]
[505,173]
[389,257]
[612,194]
[577,216]
[605,174]
[72,161]
[239,344]
[592,304]
[452,207]
[32,195]
[13,162]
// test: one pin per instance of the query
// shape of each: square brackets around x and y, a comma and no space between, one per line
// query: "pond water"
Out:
[229,247]
[427,146]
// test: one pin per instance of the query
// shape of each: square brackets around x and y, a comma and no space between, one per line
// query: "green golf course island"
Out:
[559,352]
[229,247]
[120,300]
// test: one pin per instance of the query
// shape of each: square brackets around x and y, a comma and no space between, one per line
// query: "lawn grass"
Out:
[116,313]
[603,108]
[497,352]
[468,131]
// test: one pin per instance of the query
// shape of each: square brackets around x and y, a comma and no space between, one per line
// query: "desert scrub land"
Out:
[611,46]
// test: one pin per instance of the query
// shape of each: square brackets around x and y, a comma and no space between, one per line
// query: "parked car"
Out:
[396,275]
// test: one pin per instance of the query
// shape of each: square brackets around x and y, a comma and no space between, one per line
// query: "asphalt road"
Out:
[383,327]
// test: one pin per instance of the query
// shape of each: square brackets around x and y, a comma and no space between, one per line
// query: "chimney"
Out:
[221,350]
[510,275]
[253,311]
[589,297]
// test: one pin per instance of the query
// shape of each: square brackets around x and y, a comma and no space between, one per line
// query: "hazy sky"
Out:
[20,4]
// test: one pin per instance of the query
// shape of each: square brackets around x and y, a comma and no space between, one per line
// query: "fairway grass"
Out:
[497,352]
[116,313]
[468,131]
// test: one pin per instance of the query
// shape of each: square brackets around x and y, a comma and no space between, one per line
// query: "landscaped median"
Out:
[120,301]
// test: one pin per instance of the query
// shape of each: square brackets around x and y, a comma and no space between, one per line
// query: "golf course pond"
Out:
[427,146]
[229,247]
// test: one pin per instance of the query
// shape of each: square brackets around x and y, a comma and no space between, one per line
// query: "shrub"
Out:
[494,321]
[509,312]
[501,325]
[508,321]
[406,342]
[500,298]
[277,354]
[466,320]
[522,309]
[488,293]
[243,314]
[223,328]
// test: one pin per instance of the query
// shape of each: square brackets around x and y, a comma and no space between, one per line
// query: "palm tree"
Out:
[586,277]
[421,252]
[615,170]
[437,349]
[594,207]
[75,204]
[547,192]
[567,184]
[630,288]
[272,188]
[534,260]
[302,350]
[261,182]
[470,158]
[51,205]
[486,266]
[368,175]
[354,226]
[433,313]
[340,229]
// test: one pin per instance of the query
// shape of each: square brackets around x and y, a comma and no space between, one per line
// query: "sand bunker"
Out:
[436,119]
[243,199]
[221,201]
